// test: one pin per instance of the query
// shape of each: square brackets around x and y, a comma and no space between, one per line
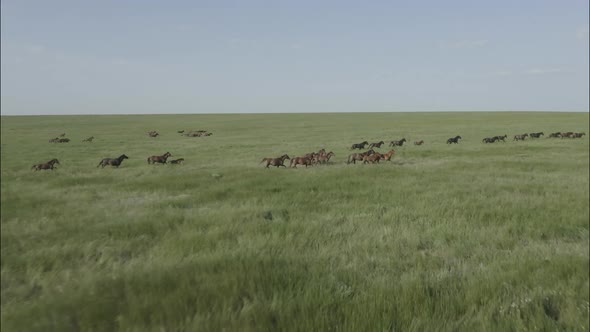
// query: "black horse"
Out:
[454,140]
[536,135]
[112,161]
[501,138]
[359,146]
[397,143]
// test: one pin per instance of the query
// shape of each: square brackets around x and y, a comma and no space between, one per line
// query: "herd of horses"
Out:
[522,137]
[313,158]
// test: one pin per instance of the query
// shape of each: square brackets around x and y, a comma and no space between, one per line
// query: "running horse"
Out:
[305,160]
[177,161]
[325,158]
[454,140]
[419,142]
[280,161]
[112,161]
[48,165]
[359,146]
[397,143]
[159,159]
[387,156]
[376,145]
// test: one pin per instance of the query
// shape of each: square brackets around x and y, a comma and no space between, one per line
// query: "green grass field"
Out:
[468,237]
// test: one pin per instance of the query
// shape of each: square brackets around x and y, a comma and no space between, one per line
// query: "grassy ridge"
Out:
[462,237]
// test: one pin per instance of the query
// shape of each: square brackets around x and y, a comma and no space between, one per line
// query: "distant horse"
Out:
[48,165]
[275,161]
[305,160]
[54,140]
[180,131]
[159,159]
[177,161]
[353,158]
[501,138]
[374,158]
[578,135]
[63,140]
[419,142]
[489,140]
[387,156]
[112,161]
[89,139]
[555,135]
[359,146]
[398,143]
[536,135]
[520,137]
[153,134]
[376,145]
[569,134]
[454,140]
[323,159]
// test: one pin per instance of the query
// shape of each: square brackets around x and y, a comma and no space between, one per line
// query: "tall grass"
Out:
[467,237]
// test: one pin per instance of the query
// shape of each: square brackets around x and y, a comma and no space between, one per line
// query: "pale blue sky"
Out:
[92,57]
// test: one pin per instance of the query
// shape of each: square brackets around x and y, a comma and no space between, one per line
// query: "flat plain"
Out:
[468,236]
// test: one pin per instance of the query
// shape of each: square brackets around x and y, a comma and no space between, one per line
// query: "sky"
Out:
[142,56]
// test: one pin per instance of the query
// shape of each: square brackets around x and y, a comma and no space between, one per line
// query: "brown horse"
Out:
[353,158]
[159,159]
[305,160]
[48,165]
[177,161]
[324,159]
[376,145]
[419,142]
[54,140]
[569,134]
[387,156]
[275,161]
[359,146]
[112,161]
[520,137]
[89,139]
[374,158]
[578,135]
[153,134]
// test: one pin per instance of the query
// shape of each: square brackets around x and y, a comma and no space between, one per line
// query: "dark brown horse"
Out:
[536,135]
[54,140]
[153,134]
[376,145]
[275,161]
[112,161]
[159,159]
[419,142]
[500,138]
[578,135]
[397,143]
[489,140]
[520,137]
[48,165]
[177,161]
[89,139]
[555,135]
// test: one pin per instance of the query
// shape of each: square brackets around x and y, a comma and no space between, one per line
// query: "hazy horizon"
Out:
[230,57]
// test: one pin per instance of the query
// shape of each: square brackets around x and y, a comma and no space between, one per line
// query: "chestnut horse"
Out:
[48,165]
[275,161]
[159,159]
[387,156]
[325,158]
[112,161]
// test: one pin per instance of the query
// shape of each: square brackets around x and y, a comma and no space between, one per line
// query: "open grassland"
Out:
[466,237]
